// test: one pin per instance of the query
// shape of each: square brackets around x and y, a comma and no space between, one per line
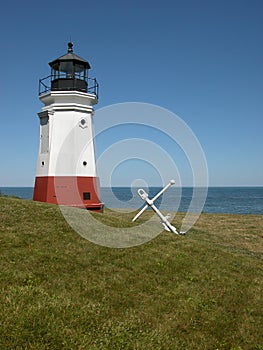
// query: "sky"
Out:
[201,60]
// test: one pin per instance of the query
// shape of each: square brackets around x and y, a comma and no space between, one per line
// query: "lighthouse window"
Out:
[86,195]
[85,163]
[44,135]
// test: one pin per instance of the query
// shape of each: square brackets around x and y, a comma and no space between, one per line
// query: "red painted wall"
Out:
[68,190]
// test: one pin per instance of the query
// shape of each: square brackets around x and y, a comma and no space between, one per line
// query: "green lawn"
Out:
[59,291]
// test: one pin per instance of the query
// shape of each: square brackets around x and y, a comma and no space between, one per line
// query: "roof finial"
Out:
[70,47]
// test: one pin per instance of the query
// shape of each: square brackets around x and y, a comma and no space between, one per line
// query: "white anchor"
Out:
[150,203]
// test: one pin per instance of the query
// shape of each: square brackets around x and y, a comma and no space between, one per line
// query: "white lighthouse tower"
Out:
[66,169]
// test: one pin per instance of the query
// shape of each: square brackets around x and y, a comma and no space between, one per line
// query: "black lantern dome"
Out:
[69,72]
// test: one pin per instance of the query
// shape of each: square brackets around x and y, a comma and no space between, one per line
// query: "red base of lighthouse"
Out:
[73,191]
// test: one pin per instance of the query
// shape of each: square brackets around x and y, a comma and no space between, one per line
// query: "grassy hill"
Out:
[59,291]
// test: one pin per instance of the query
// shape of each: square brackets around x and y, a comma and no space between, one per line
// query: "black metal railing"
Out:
[52,83]
[42,85]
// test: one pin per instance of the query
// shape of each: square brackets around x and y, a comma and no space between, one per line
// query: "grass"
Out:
[59,291]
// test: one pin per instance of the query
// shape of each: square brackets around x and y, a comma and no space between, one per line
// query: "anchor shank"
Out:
[163,218]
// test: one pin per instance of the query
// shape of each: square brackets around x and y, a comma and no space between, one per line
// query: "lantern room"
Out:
[69,73]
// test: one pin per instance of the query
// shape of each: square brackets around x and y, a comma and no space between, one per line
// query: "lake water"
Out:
[232,200]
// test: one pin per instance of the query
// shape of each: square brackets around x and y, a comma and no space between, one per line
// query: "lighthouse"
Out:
[66,165]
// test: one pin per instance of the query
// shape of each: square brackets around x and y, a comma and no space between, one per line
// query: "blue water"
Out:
[232,200]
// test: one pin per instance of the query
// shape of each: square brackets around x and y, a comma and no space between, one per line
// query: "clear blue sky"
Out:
[202,60]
